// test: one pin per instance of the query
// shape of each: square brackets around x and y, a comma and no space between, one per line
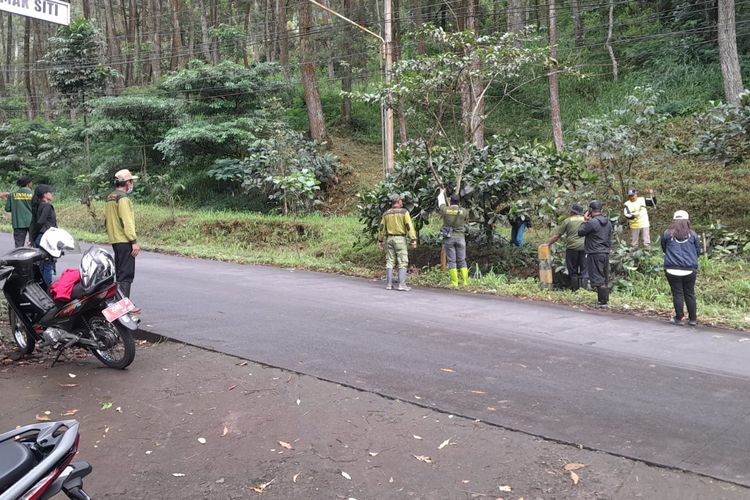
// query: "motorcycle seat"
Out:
[16,460]
[22,255]
[76,293]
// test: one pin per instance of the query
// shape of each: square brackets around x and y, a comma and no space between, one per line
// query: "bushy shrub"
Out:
[722,132]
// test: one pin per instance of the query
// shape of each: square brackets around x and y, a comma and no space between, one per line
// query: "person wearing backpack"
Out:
[18,203]
[681,246]
[454,240]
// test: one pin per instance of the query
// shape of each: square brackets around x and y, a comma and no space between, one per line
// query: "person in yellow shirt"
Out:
[119,220]
[636,213]
[395,226]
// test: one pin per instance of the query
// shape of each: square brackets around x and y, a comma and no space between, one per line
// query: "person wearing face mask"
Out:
[119,220]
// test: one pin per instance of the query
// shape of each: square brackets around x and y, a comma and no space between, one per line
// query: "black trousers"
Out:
[575,262]
[124,266]
[19,236]
[683,294]
[597,265]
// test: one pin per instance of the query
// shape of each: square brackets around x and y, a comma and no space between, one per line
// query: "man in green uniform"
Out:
[395,226]
[575,257]
[18,203]
[120,222]
[454,240]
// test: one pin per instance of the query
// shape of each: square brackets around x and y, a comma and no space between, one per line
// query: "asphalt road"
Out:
[633,387]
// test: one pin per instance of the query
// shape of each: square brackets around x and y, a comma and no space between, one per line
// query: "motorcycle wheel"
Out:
[120,350]
[24,341]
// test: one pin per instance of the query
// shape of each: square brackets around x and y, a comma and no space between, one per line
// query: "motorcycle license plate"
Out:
[118,309]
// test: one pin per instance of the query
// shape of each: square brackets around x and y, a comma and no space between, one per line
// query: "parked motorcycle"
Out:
[36,462]
[97,316]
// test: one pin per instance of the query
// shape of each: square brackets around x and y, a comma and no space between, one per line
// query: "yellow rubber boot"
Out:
[454,277]
[465,275]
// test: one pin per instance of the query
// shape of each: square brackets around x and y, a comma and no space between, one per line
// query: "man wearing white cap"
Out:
[120,222]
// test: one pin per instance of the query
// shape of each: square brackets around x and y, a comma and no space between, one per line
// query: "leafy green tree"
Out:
[723,132]
[617,141]
[226,88]
[76,59]
[499,180]
[284,168]
[139,121]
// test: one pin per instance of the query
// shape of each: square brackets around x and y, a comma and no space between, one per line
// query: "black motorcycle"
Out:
[97,317]
[36,462]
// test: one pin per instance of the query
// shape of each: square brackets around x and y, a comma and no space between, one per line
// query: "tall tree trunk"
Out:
[3,74]
[540,14]
[516,15]
[156,65]
[472,100]
[346,68]
[330,51]
[554,95]
[87,9]
[206,41]
[284,39]
[32,99]
[113,44]
[135,36]
[730,64]
[575,8]
[10,77]
[418,22]
[216,50]
[246,26]
[608,43]
[274,27]
[267,38]
[176,60]
[144,26]
[309,80]
[39,78]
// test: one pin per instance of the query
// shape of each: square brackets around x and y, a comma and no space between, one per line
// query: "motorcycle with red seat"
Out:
[97,316]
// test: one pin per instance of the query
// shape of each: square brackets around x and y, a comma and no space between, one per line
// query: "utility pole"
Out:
[386,47]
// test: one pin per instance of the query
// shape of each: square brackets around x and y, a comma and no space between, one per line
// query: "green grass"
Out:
[333,244]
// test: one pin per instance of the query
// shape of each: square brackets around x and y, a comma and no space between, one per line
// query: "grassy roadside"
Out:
[332,244]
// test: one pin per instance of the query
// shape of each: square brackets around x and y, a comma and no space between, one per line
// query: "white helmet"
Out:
[55,240]
[97,267]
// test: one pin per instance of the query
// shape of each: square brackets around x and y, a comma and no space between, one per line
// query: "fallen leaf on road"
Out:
[417,437]
[423,458]
[478,392]
[390,480]
[43,418]
[202,440]
[68,385]
[346,475]
[106,406]
[491,408]
[286,445]
[72,375]
[298,401]
[225,432]
[149,452]
[69,413]
[178,474]
[260,488]
[417,397]
[118,409]
[294,478]
[506,488]
[232,387]
[244,363]
[574,477]
[444,444]
[465,481]
[447,370]
[570,467]
[374,453]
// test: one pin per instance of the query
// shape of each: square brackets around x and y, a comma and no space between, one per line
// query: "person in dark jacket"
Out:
[597,231]
[681,246]
[43,217]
